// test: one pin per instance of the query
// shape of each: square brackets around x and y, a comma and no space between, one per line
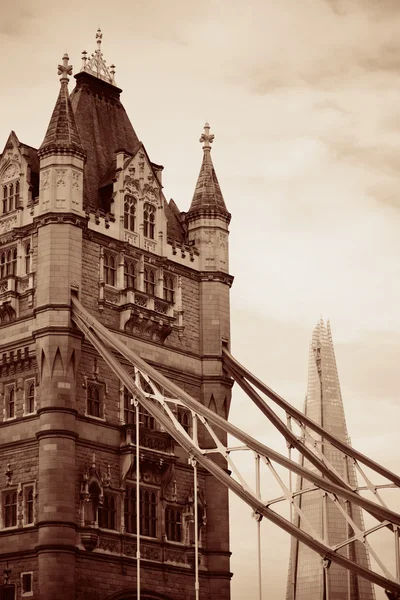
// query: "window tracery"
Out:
[10,509]
[149,220]
[129,212]
[11,192]
[8,262]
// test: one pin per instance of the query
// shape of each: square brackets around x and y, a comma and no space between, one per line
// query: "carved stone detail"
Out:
[7,223]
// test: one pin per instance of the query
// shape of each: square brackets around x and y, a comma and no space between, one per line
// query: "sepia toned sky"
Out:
[304,101]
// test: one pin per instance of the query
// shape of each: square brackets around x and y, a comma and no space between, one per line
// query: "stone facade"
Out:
[86,215]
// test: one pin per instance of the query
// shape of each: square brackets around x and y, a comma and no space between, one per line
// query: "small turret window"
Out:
[149,220]
[129,213]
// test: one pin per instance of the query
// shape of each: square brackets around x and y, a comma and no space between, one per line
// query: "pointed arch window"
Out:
[129,212]
[110,268]
[28,258]
[94,400]
[10,402]
[16,194]
[107,512]
[168,288]
[29,397]
[11,198]
[149,281]
[5,197]
[149,220]
[148,511]
[129,274]
[10,509]
[183,418]
[8,262]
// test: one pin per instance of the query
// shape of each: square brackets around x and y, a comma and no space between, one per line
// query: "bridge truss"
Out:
[301,434]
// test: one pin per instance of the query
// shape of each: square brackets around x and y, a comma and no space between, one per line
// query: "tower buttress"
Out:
[59,225]
[208,220]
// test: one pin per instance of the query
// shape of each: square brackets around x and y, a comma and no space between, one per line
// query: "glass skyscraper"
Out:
[307,579]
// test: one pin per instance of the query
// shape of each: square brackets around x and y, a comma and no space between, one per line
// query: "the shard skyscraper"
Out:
[307,579]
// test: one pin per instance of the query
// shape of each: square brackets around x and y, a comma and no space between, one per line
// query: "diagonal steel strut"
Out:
[98,334]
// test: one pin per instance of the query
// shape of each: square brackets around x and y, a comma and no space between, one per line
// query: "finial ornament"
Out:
[206,138]
[65,69]
[96,65]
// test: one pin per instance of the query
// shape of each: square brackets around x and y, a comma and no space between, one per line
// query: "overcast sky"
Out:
[304,101]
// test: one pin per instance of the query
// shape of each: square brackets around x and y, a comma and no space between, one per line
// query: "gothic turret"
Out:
[208,217]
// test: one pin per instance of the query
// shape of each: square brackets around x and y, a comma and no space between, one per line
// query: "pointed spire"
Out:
[96,65]
[62,132]
[207,198]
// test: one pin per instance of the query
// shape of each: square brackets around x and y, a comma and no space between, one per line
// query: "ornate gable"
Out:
[140,179]
[10,160]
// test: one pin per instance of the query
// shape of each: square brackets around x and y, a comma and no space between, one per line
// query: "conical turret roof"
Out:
[208,198]
[62,132]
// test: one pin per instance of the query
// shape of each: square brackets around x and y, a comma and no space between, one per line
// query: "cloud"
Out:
[15,18]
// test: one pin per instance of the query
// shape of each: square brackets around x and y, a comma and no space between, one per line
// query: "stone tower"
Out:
[308,579]
[86,215]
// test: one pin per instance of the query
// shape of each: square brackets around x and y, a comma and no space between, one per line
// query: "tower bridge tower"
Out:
[86,215]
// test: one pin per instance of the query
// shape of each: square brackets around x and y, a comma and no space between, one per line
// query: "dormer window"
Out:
[168,288]
[149,220]
[129,212]
[149,281]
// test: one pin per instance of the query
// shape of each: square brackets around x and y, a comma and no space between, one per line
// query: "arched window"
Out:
[11,198]
[148,511]
[10,404]
[30,398]
[94,403]
[149,219]
[5,194]
[168,288]
[14,262]
[107,512]
[10,509]
[109,268]
[3,268]
[129,212]
[129,274]
[173,524]
[149,281]
[27,258]
[16,194]
[183,418]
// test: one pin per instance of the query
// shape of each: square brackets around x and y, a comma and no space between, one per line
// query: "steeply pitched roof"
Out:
[62,132]
[104,128]
[207,196]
